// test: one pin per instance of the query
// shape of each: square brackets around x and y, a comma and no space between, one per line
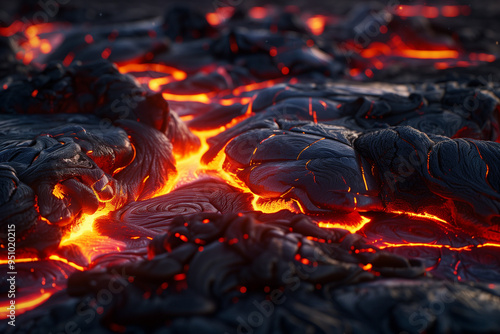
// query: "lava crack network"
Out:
[208,166]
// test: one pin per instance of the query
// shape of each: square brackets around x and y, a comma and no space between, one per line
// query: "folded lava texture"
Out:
[250,169]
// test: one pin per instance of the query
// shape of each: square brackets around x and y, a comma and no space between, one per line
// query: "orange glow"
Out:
[52,257]
[24,304]
[16,26]
[483,57]
[430,12]
[354,72]
[358,222]
[202,98]
[45,47]
[213,19]
[316,24]
[34,42]
[230,102]
[220,15]
[177,74]
[441,65]
[171,74]
[407,10]
[21,260]
[364,178]
[74,265]
[28,57]
[375,49]
[257,13]
[90,242]
[379,53]
[397,48]
[418,244]
[276,205]
[156,83]
[368,266]
[450,11]
[428,54]
[254,86]
[34,46]
[58,191]
[190,168]
[38,29]
[205,99]
[421,215]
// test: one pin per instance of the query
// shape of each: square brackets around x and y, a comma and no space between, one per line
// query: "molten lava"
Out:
[40,40]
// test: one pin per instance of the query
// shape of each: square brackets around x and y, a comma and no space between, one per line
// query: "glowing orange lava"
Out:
[430,245]
[171,74]
[378,54]
[190,168]
[396,47]
[61,259]
[24,304]
[353,226]
[58,191]
[421,215]
[90,242]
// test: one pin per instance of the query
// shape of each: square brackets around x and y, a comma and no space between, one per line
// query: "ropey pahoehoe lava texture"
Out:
[251,169]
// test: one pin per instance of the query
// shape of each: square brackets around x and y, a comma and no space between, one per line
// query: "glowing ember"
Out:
[431,12]
[316,24]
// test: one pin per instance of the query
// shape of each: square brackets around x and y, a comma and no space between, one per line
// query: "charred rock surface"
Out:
[102,141]
[229,271]
[311,172]
[455,109]
[328,167]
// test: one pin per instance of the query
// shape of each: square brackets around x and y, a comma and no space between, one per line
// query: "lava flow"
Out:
[183,166]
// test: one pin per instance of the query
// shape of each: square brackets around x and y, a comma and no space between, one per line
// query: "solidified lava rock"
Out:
[234,273]
[394,221]
[74,139]
[327,167]
[203,196]
[455,109]
[315,164]
[463,171]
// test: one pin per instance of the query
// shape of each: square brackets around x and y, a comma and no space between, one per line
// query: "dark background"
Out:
[96,9]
